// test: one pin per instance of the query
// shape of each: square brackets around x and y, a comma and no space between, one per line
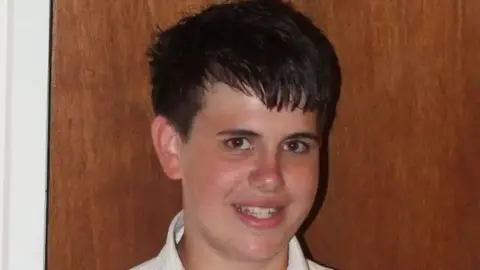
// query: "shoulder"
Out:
[315,266]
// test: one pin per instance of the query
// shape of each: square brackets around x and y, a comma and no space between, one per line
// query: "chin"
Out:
[261,250]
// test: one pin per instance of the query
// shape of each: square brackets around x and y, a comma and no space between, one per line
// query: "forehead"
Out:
[229,107]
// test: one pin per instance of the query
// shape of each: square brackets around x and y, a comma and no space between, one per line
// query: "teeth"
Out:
[258,212]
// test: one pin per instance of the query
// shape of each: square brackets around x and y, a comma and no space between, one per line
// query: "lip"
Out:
[256,223]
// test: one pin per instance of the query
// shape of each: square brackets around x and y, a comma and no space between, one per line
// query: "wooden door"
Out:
[403,187]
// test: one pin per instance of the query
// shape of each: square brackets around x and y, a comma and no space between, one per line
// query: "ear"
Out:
[167,143]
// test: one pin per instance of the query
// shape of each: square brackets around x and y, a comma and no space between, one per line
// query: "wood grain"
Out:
[403,184]
[109,202]
[404,187]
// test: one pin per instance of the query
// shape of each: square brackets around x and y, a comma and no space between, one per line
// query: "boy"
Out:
[242,94]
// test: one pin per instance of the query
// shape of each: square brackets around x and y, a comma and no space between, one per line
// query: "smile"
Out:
[259,217]
[258,212]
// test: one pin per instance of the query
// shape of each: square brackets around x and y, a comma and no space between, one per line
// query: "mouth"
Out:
[258,212]
[260,217]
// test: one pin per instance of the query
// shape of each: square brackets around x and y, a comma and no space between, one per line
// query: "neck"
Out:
[198,255]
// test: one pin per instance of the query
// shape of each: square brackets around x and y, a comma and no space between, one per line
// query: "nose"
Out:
[266,177]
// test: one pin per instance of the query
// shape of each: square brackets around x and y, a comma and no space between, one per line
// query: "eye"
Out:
[296,147]
[238,144]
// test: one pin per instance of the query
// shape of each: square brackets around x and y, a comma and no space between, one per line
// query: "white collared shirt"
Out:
[168,259]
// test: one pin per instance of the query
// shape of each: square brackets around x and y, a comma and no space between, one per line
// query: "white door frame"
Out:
[24,105]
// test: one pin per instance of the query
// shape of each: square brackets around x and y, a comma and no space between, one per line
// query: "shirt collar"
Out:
[169,258]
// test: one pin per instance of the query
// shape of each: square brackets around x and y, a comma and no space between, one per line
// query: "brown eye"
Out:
[296,147]
[238,144]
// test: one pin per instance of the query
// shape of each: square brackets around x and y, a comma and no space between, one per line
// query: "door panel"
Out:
[402,190]
[109,202]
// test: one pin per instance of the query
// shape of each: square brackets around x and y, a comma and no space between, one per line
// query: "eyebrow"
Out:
[304,135]
[249,133]
[238,132]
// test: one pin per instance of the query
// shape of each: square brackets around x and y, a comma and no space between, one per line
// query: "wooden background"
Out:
[403,190]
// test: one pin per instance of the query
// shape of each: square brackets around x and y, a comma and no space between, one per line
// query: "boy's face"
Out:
[249,174]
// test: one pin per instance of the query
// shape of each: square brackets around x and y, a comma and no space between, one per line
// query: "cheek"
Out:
[209,177]
[302,179]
